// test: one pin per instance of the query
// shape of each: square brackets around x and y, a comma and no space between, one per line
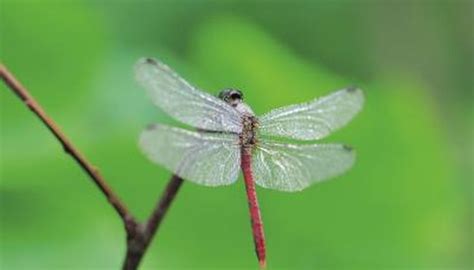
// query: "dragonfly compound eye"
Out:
[230,95]
[236,94]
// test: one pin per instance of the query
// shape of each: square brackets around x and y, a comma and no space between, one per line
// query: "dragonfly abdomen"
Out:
[255,216]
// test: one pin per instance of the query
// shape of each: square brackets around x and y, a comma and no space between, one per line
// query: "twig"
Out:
[92,171]
[148,230]
[139,235]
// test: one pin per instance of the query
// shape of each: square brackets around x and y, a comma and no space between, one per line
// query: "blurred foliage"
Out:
[407,203]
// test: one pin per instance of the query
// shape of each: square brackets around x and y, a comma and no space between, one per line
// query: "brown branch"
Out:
[149,229]
[139,235]
[92,171]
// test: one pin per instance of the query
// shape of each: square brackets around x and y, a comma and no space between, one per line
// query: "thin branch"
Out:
[139,235]
[163,204]
[149,229]
[92,171]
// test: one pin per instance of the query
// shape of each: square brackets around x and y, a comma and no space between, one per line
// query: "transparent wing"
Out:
[315,119]
[184,102]
[210,159]
[290,167]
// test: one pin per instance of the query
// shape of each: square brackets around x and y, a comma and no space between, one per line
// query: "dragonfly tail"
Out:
[255,216]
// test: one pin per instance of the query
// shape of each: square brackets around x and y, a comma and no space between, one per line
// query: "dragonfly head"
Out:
[232,96]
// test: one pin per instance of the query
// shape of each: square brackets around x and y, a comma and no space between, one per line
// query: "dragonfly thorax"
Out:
[248,137]
[234,97]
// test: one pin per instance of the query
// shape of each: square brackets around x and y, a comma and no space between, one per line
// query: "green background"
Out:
[406,204]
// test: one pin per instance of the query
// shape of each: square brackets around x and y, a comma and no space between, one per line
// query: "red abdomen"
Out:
[255,217]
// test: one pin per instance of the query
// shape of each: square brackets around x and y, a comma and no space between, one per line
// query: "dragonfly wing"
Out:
[184,102]
[210,159]
[291,167]
[315,119]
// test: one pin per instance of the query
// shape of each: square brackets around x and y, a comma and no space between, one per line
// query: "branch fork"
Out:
[139,235]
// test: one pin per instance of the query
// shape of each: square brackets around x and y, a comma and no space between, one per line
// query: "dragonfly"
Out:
[228,137]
